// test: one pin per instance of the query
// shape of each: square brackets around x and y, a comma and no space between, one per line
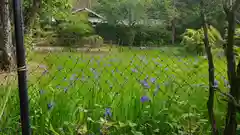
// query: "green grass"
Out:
[81,86]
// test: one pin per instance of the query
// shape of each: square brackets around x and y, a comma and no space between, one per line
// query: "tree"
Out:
[175,14]
[230,8]
[233,71]
[210,103]
[44,8]
[172,14]
[31,11]
[124,12]
[128,12]
[6,46]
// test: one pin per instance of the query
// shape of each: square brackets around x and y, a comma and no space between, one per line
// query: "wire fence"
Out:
[114,90]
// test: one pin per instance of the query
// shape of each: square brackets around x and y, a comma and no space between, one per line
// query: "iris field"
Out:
[160,91]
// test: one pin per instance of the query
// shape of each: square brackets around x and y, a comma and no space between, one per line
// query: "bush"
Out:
[236,51]
[193,40]
[70,34]
[71,31]
[156,35]
[237,37]
[29,44]
[136,35]
[93,41]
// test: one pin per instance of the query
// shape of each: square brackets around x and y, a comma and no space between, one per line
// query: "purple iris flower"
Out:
[92,69]
[145,84]
[134,70]
[41,92]
[73,77]
[45,72]
[145,99]
[50,105]
[58,86]
[113,71]
[43,66]
[65,90]
[108,112]
[153,80]
[215,85]
[226,83]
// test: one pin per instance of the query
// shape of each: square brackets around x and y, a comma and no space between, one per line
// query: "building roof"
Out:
[88,10]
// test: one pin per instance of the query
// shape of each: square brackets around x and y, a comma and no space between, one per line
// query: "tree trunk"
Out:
[231,123]
[173,24]
[173,31]
[6,46]
[210,103]
[31,15]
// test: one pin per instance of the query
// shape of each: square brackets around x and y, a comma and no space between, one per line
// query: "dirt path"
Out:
[11,77]
[82,49]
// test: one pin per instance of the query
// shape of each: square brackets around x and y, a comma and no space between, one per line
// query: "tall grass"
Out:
[135,92]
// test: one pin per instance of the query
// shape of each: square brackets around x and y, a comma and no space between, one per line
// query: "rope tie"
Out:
[22,68]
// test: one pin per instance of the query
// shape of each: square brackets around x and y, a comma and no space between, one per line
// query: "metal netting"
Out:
[114,90]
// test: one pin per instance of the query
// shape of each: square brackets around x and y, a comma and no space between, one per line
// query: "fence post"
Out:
[21,64]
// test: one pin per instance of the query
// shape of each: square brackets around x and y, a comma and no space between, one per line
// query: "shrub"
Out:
[237,37]
[70,32]
[149,43]
[93,41]
[236,51]
[29,44]
[135,35]
[193,40]
[157,35]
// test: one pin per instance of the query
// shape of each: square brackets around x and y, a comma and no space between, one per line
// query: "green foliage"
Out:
[236,50]
[155,35]
[70,32]
[136,36]
[93,41]
[123,11]
[57,9]
[29,44]
[184,13]
[170,9]
[237,37]
[74,30]
[192,40]
[119,34]
[215,36]
[79,96]
[57,25]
